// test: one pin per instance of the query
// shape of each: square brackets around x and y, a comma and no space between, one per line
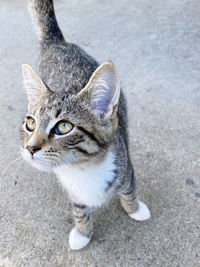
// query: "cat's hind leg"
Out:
[81,234]
[136,209]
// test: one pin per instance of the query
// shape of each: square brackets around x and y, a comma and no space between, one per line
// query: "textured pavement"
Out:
[156,47]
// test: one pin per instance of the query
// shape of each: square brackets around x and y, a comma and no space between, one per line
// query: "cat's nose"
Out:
[33,149]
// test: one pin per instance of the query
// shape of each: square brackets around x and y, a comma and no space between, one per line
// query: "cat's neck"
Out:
[88,183]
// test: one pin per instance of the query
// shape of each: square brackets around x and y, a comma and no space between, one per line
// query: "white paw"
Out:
[142,213]
[76,240]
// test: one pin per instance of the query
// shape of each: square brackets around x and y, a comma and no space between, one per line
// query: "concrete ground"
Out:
[156,48]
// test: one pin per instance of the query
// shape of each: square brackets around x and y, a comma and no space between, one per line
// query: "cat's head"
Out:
[60,128]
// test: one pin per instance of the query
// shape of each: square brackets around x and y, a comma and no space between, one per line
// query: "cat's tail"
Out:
[42,12]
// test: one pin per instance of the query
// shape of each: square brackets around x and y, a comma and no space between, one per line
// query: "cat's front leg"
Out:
[81,234]
[136,209]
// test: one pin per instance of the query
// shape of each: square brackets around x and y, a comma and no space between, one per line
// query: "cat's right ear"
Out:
[35,87]
[102,91]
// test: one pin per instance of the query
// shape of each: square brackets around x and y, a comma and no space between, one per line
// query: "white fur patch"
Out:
[86,183]
[76,240]
[142,213]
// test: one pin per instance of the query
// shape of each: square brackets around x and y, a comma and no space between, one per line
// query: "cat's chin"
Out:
[36,162]
[39,165]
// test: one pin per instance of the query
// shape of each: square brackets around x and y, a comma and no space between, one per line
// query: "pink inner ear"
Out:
[35,87]
[105,93]
[103,90]
[101,99]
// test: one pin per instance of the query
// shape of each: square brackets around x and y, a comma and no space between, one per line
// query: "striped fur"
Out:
[91,160]
[43,15]
[82,215]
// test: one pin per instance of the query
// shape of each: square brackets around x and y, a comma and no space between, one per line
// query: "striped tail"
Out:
[42,12]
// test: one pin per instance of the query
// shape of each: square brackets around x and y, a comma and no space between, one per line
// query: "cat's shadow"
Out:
[109,219]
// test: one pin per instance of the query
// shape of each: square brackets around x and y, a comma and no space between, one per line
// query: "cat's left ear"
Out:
[35,87]
[103,91]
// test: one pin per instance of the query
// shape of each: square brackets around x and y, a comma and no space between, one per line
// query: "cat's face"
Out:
[69,129]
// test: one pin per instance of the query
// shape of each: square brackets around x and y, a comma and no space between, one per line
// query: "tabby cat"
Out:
[76,125]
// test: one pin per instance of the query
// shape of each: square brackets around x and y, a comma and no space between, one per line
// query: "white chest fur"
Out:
[86,184]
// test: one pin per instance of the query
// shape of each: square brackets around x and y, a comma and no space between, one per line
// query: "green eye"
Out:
[30,124]
[63,127]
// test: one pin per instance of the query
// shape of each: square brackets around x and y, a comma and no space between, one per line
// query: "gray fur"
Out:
[42,12]
[82,215]
[66,69]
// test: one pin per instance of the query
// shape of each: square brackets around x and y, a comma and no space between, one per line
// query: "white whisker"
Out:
[4,179]
[11,163]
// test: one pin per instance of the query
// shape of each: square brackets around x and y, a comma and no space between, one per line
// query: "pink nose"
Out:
[33,149]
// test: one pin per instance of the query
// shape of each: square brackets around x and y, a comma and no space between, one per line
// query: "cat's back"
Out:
[66,66]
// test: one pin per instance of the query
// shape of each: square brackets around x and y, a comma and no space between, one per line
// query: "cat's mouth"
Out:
[48,161]
[38,161]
